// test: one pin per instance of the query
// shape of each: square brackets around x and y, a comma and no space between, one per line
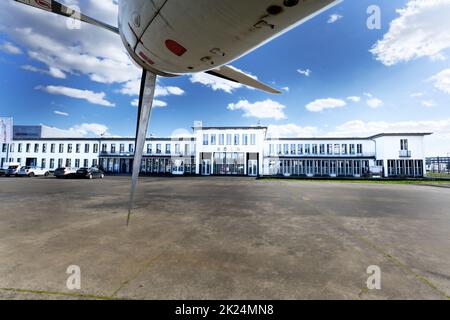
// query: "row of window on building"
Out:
[52,164]
[44,147]
[315,149]
[229,139]
[87,148]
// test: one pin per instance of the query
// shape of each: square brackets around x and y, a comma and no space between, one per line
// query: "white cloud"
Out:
[60,113]
[261,109]
[54,72]
[217,83]
[90,96]
[373,102]
[421,30]
[91,51]
[354,99]
[305,72]
[417,94]
[286,89]
[10,48]
[291,130]
[334,17]
[132,88]
[156,103]
[322,104]
[428,103]
[87,129]
[442,80]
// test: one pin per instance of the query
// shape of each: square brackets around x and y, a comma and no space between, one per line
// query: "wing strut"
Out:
[147,92]
[62,10]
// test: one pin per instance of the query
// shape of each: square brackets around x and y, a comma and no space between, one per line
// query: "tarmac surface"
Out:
[222,238]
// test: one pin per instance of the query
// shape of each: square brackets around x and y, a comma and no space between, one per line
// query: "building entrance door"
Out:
[252,168]
[206,167]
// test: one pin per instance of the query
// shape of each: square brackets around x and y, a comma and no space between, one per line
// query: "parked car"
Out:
[32,172]
[2,172]
[90,173]
[65,172]
[12,170]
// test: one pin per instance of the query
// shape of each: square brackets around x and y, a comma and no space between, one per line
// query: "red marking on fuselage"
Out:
[175,47]
[147,59]
[44,3]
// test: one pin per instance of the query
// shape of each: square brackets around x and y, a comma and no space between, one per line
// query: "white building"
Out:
[224,151]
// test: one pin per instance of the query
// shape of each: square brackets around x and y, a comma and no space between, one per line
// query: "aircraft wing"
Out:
[60,9]
[232,74]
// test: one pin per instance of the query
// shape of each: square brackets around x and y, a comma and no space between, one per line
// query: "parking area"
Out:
[222,238]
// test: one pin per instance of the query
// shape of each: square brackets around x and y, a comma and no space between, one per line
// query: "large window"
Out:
[213,140]
[285,149]
[352,149]
[404,144]
[78,148]
[307,149]
[229,139]
[122,148]
[43,163]
[344,149]
[359,149]
[300,149]
[329,148]
[221,139]
[168,148]
[44,148]
[69,149]
[77,163]
[245,139]
[130,147]
[86,148]
[236,139]
[158,148]
[28,148]
[278,149]
[36,147]
[253,139]
[113,148]
[177,148]
[52,163]
[86,163]
[149,148]
[205,139]
[337,149]
[293,151]
[314,149]
[322,149]
[52,148]
[61,148]
[95,148]
[19,147]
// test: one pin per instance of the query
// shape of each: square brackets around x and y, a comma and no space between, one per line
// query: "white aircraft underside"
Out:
[176,37]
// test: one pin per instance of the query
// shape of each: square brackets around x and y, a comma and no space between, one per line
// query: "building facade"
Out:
[234,151]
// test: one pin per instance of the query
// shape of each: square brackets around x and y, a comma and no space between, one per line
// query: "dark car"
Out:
[90,173]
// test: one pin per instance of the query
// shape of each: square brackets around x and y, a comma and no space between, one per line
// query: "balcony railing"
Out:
[405,154]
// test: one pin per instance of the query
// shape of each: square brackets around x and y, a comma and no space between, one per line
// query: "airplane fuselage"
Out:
[175,37]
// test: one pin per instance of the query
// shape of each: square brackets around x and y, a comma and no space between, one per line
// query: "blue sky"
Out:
[333,84]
